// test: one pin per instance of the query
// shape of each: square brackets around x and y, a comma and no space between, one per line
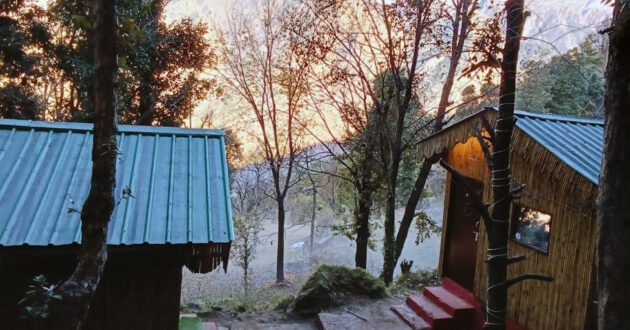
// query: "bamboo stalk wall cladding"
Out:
[556,189]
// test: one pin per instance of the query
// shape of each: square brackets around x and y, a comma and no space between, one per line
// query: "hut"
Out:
[553,223]
[172,210]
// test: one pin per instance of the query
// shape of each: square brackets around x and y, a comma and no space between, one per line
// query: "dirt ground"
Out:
[377,312]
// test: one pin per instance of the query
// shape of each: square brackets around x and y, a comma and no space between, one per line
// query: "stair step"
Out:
[458,290]
[410,317]
[430,312]
[448,301]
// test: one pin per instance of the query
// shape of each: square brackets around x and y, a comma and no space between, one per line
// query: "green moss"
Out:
[328,283]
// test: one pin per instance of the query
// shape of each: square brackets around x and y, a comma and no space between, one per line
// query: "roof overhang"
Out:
[445,139]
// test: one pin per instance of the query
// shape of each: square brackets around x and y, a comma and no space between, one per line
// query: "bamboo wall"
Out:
[554,188]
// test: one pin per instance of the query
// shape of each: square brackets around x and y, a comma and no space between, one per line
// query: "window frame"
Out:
[515,213]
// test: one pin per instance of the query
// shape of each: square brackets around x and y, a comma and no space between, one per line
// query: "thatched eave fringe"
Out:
[459,132]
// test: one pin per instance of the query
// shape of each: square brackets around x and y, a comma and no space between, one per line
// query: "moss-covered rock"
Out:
[329,283]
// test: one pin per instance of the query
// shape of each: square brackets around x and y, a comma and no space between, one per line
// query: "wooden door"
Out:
[462,229]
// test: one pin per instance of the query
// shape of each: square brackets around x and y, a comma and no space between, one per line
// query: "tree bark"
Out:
[362,218]
[78,290]
[280,254]
[614,195]
[314,193]
[389,246]
[147,91]
[498,231]
[410,208]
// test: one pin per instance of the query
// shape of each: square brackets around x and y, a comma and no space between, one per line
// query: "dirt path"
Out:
[377,313]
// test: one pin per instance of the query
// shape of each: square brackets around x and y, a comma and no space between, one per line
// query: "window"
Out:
[531,227]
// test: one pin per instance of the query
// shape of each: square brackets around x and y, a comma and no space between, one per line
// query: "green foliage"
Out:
[18,33]
[37,300]
[570,84]
[160,79]
[425,226]
[19,102]
[329,283]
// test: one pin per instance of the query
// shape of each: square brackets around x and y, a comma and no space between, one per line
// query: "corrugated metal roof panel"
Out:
[178,179]
[576,141]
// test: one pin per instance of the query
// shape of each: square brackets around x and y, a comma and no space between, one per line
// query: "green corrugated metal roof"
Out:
[178,178]
[578,142]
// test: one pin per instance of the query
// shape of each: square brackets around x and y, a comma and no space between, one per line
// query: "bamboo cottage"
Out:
[176,213]
[553,224]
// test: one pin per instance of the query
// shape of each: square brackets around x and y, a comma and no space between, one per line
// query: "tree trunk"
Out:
[410,208]
[498,231]
[147,91]
[389,246]
[78,290]
[460,34]
[362,219]
[246,269]
[613,208]
[313,220]
[280,256]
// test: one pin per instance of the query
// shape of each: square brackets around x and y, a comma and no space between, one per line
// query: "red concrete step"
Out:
[459,291]
[454,305]
[435,316]
[463,293]
[410,317]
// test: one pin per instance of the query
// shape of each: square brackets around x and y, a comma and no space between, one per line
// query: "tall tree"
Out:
[162,64]
[461,18]
[266,67]
[250,207]
[363,40]
[76,292]
[498,231]
[19,70]
[613,207]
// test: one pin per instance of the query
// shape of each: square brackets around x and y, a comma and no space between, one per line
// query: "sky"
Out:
[553,27]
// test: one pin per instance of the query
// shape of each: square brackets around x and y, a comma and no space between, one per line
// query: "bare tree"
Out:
[264,65]
[250,210]
[462,21]
[70,302]
[312,179]
[613,207]
[366,80]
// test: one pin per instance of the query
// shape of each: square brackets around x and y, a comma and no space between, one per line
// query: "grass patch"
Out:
[190,323]
[416,280]
[280,301]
